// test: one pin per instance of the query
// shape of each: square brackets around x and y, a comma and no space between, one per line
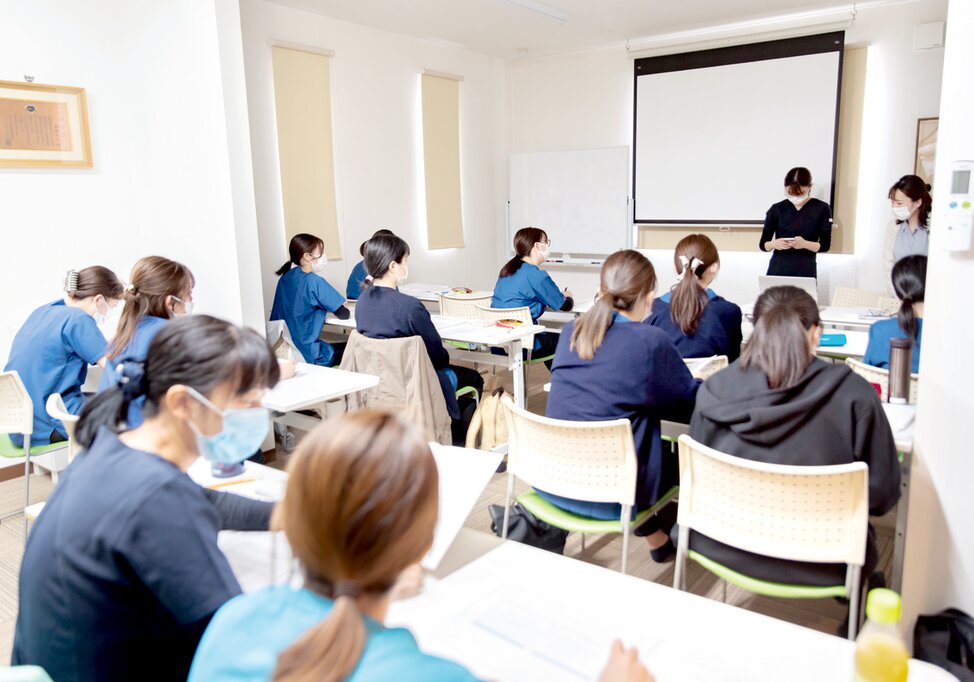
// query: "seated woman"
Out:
[909,282]
[353,288]
[522,283]
[699,322]
[781,404]
[53,349]
[122,571]
[303,298]
[611,366]
[383,312]
[359,512]
[160,290]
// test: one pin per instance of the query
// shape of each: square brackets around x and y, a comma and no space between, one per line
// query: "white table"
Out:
[424,292]
[835,317]
[312,386]
[519,613]
[854,347]
[473,332]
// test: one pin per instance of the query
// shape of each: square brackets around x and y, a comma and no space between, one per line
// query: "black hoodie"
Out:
[831,416]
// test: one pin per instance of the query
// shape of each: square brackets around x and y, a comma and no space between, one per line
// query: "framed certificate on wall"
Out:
[43,125]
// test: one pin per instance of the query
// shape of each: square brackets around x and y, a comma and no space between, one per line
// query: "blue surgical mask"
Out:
[243,432]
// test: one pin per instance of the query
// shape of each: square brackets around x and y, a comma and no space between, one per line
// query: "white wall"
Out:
[378,143]
[585,100]
[939,569]
[161,179]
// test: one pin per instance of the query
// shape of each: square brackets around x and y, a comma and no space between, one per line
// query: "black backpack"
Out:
[946,640]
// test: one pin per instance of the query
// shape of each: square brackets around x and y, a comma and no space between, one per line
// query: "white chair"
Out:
[463,306]
[880,376]
[704,368]
[592,461]
[17,416]
[281,342]
[847,297]
[798,513]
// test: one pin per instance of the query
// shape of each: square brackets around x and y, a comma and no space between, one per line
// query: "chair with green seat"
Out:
[592,461]
[800,513]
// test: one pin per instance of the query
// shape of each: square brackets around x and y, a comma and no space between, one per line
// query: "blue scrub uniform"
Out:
[880,334]
[233,650]
[136,351]
[302,300]
[51,353]
[530,286]
[353,289]
[636,374]
[718,330]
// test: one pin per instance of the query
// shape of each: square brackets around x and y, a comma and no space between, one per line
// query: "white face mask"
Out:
[404,275]
[187,307]
[101,317]
[318,267]
[796,200]
[902,212]
[545,249]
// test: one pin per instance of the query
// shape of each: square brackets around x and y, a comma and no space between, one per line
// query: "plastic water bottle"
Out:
[881,654]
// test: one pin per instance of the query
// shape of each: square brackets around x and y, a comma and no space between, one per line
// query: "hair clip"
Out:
[71,281]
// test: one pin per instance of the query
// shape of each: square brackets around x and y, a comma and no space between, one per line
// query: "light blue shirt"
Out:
[248,633]
[353,289]
[910,242]
[51,353]
[136,351]
[302,300]
[530,286]
[880,334]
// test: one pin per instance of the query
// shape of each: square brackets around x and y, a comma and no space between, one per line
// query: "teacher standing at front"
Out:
[797,228]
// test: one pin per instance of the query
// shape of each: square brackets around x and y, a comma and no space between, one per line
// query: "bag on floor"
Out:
[523,526]
[947,641]
[488,426]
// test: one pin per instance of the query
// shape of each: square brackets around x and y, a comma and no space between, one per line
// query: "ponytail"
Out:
[779,343]
[329,651]
[693,255]
[299,245]
[626,277]
[909,281]
[379,253]
[524,241]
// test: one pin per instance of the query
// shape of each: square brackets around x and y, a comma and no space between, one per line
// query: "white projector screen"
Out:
[716,130]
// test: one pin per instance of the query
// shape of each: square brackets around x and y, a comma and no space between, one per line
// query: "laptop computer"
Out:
[808,284]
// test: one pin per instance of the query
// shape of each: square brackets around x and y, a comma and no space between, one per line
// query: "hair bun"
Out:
[131,379]
[927,186]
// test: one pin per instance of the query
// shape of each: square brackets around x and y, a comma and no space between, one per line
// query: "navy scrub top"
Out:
[812,222]
[718,330]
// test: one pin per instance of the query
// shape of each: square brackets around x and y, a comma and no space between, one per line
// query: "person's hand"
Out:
[801,243]
[780,244]
[288,368]
[624,666]
[409,583]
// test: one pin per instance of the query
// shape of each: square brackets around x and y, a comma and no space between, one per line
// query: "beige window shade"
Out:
[441,155]
[302,98]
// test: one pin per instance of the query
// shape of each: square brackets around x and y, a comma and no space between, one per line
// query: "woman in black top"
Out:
[796,228]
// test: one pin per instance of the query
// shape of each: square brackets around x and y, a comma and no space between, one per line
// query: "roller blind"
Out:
[441,155]
[302,99]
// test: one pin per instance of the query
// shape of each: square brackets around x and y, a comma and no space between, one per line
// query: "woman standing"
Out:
[908,233]
[797,228]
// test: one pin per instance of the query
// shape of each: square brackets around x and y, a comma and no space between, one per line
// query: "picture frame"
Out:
[43,125]
[925,159]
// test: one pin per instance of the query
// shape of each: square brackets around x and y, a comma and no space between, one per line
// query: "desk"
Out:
[519,613]
[310,386]
[855,346]
[477,333]
[834,317]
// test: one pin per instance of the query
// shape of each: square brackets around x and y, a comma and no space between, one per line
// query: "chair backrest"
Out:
[800,513]
[880,376]
[847,297]
[463,306]
[408,384]
[808,284]
[488,314]
[704,368]
[57,410]
[16,407]
[279,338]
[888,304]
[592,461]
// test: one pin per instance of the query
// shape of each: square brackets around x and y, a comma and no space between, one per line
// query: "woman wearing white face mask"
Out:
[522,282]
[796,228]
[122,571]
[909,231]
[303,298]
[53,349]
[160,290]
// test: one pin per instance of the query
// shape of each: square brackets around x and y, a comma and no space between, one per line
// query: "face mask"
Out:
[101,317]
[243,432]
[902,212]
[796,200]
[404,275]
[318,267]
[187,307]
[545,250]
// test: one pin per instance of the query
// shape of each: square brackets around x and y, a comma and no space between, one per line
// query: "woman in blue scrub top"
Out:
[909,282]
[353,288]
[797,228]
[610,365]
[53,349]
[522,283]
[359,513]
[122,571]
[698,321]
[303,298]
[159,290]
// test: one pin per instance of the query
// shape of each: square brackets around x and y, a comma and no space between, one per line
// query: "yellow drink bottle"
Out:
[881,654]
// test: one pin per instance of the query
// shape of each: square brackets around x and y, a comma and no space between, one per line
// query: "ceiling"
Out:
[503,29]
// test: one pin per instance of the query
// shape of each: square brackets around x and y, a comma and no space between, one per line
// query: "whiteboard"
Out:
[580,198]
